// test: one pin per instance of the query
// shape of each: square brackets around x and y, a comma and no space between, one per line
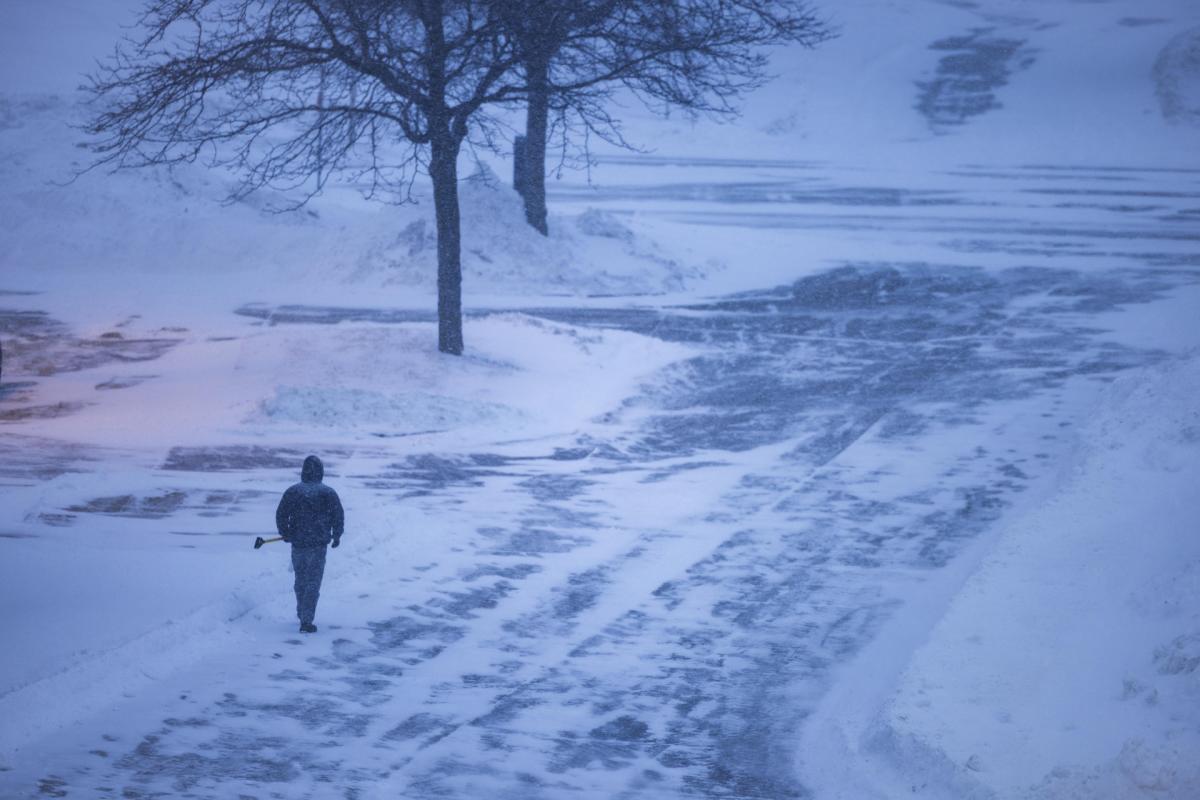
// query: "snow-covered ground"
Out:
[1066,666]
[844,451]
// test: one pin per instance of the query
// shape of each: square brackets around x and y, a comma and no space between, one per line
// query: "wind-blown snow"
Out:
[1066,666]
[1105,592]
[844,451]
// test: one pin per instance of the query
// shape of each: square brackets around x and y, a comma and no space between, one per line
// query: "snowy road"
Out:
[671,643]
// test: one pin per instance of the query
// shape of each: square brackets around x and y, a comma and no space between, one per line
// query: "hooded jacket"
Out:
[310,513]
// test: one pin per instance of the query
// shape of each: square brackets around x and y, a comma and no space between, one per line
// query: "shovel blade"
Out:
[258,542]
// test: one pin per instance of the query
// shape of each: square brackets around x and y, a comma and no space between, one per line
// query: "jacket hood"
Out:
[313,470]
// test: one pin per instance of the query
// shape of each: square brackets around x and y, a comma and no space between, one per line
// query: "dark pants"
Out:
[309,564]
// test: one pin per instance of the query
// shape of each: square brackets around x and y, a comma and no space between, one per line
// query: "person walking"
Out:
[309,517]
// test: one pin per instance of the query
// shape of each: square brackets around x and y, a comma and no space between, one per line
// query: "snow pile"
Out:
[590,253]
[389,379]
[1069,665]
[520,375]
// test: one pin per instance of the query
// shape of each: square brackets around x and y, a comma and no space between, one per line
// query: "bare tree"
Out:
[700,56]
[289,93]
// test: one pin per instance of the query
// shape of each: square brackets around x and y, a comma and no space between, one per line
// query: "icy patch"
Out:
[1177,75]
[976,66]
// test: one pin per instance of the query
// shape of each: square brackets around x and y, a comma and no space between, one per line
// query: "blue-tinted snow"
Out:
[573,650]
[656,606]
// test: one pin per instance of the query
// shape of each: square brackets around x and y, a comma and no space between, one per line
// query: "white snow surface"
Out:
[1066,665]
[580,561]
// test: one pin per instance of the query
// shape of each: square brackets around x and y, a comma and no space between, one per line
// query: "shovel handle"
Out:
[260,541]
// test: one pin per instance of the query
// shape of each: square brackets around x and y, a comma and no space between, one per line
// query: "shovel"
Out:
[260,541]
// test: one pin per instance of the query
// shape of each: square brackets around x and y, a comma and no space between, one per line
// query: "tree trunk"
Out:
[519,164]
[443,169]
[537,115]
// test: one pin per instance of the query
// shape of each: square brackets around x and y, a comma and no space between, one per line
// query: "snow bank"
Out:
[352,381]
[1069,665]
[590,253]
[520,374]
